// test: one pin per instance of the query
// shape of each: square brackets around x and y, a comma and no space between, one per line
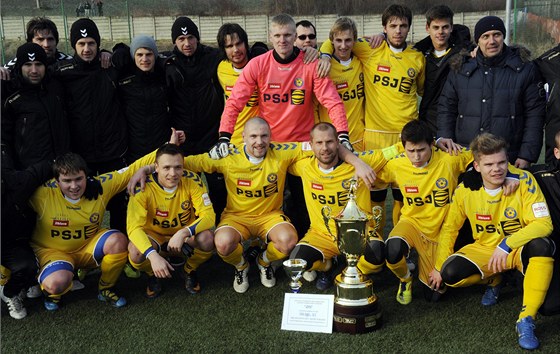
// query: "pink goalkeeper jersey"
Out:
[285,97]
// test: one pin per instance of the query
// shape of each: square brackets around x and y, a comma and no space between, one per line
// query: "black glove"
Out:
[472,179]
[121,59]
[173,75]
[93,188]
[344,140]
[221,148]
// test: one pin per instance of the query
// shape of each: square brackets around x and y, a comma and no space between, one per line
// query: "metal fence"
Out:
[543,8]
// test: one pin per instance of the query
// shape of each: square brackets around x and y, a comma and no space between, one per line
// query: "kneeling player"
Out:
[326,179]
[172,216]
[510,232]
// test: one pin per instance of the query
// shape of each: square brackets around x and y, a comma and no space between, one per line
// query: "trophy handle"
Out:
[377,213]
[326,212]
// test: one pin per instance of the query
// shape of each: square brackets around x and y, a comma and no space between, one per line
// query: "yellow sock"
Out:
[196,260]
[235,258]
[111,268]
[383,220]
[400,269]
[5,275]
[397,206]
[535,284]
[144,266]
[271,254]
[368,268]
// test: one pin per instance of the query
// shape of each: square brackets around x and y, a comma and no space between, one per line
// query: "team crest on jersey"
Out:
[274,86]
[441,183]
[162,213]
[317,186]
[411,72]
[185,205]
[271,178]
[411,189]
[298,82]
[94,218]
[61,223]
[244,182]
[346,183]
[510,213]
[383,68]
[298,97]
[483,217]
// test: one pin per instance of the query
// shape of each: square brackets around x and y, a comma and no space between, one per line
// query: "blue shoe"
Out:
[491,295]
[324,281]
[108,295]
[525,328]
[51,305]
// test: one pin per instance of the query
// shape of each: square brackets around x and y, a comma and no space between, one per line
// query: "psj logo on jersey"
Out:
[404,84]
[295,97]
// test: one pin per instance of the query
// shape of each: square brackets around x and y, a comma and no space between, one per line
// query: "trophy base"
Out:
[357,319]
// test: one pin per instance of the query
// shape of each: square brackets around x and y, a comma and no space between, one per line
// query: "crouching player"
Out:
[172,215]
[68,233]
[510,232]
[326,179]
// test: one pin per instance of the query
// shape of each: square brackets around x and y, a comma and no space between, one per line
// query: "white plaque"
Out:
[308,312]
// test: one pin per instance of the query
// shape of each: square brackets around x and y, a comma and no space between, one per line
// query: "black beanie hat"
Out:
[30,52]
[488,23]
[182,27]
[83,28]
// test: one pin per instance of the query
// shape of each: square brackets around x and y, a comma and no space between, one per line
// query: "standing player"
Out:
[510,233]
[427,179]
[173,210]
[325,181]
[348,77]
[394,77]
[306,35]
[68,233]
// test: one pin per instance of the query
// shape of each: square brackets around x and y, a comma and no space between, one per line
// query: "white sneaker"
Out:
[34,292]
[267,275]
[15,305]
[310,275]
[241,280]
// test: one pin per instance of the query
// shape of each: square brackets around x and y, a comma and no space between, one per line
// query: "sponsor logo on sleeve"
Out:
[540,210]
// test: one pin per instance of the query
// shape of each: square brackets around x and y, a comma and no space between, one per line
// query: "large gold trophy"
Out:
[356,309]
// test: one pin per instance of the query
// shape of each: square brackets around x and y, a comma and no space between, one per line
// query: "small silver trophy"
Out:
[294,268]
[356,307]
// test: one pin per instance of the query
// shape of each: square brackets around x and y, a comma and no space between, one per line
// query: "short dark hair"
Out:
[487,144]
[416,131]
[323,126]
[306,23]
[439,12]
[229,29]
[398,11]
[37,24]
[69,162]
[168,149]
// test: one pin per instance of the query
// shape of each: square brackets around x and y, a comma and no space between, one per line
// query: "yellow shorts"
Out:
[89,256]
[323,243]
[251,226]
[425,247]
[480,255]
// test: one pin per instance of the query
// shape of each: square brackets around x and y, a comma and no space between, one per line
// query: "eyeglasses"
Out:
[305,36]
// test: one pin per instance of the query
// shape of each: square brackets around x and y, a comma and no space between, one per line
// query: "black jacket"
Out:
[436,72]
[34,124]
[549,65]
[504,97]
[97,127]
[144,101]
[197,104]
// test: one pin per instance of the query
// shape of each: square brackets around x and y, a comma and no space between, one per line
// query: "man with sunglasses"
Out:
[306,35]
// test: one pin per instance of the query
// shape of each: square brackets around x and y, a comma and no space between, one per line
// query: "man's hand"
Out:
[221,148]
[376,40]
[363,171]
[498,261]
[177,137]
[448,146]
[160,266]
[139,178]
[176,242]
[510,186]
[4,74]
[324,66]
[473,52]
[435,280]
[310,55]
[521,163]
[105,59]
